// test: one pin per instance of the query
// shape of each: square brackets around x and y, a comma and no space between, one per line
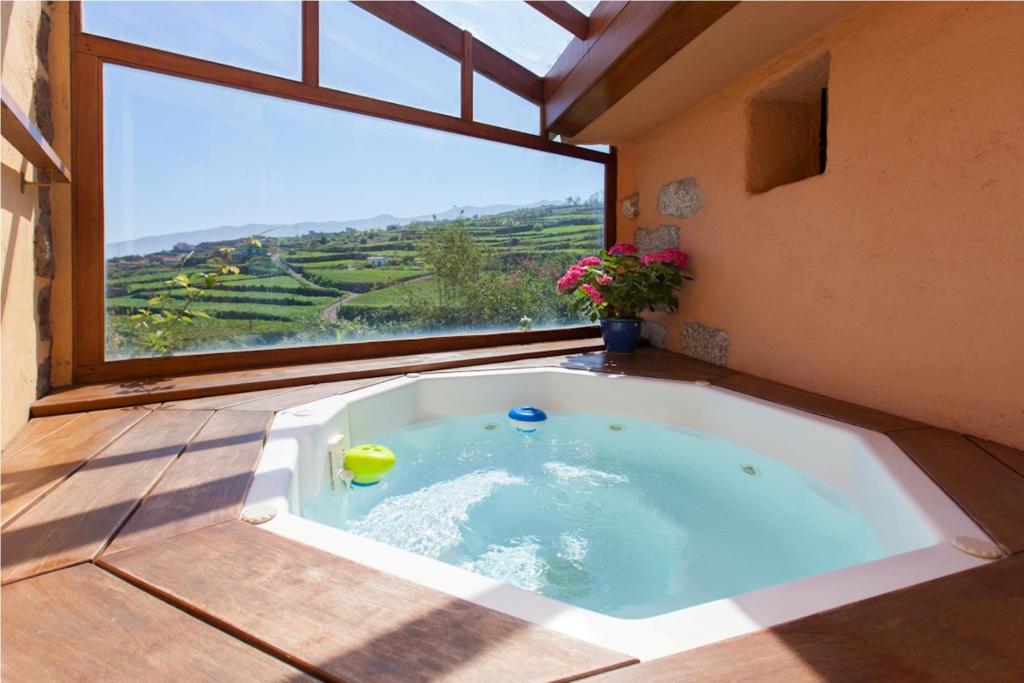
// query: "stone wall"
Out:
[893,279]
[35,320]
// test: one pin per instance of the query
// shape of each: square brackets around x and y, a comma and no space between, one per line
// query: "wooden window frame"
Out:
[89,54]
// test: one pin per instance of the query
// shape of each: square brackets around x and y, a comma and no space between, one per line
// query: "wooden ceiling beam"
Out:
[311,43]
[565,15]
[600,19]
[424,25]
[640,38]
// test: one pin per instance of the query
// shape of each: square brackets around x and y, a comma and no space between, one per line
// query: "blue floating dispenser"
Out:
[527,419]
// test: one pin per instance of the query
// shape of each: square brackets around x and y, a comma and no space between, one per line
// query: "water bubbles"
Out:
[521,563]
[588,475]
[428,521]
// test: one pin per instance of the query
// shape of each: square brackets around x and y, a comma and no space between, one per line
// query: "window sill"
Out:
[159,389]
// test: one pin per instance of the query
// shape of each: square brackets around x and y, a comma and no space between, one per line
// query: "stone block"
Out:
[705,343]
[662,237]
[654,333]
[631,206]
[680,198]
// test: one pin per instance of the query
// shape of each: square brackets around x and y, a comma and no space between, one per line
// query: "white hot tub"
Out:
[646,516]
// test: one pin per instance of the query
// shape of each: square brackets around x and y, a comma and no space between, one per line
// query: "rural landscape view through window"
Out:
[237,221]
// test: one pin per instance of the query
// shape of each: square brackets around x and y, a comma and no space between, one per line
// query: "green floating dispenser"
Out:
[368,463]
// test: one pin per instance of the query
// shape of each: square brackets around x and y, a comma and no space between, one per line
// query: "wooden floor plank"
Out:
[77,519]
[963,627]
[165,389]
[221,401]
[1011,457]
[84,624]
[989,491]
[30,473]
[206,485]
[346,621]
[307,394]
[34,430]
[850,413]
[648,362]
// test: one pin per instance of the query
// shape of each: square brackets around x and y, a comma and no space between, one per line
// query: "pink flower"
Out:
[570,279]
[589,261]
[604,279]
[670,256]
[592,292]
[623,249]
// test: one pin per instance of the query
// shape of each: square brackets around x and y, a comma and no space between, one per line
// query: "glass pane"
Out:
[598,148]
[367,228]
[512,28]
[262,36]
[585,6]
[361,54]
[497,106]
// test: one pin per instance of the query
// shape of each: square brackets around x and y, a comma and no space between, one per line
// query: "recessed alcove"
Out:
[788,128]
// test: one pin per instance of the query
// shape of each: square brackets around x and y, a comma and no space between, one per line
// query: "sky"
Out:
[512,28]
[183,155]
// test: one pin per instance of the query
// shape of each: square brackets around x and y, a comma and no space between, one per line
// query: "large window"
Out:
[364,228]
[250,202]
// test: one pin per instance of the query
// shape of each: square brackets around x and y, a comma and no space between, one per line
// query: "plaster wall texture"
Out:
[35,341]
[895,279]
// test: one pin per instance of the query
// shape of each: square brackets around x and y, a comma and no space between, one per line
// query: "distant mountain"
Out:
[149,245]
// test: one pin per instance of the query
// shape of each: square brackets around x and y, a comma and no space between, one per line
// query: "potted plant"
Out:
[617,285]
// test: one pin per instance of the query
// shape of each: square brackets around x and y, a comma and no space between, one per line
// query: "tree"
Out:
[451,252]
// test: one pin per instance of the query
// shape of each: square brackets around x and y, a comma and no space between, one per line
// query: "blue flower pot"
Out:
[620,335]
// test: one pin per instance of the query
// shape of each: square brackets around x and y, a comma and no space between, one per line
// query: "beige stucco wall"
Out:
[24,342]
[896,279]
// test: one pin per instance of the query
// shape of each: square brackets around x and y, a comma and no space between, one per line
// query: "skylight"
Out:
[513,28]
[263,36]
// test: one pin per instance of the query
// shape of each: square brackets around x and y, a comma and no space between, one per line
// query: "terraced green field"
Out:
[346,277]
[321,287]
[397,295]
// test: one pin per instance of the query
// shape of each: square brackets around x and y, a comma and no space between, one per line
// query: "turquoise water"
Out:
[624,517]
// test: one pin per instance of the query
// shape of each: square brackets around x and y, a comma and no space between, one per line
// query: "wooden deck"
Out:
[123,560]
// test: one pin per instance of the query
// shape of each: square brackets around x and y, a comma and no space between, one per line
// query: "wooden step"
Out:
[84,624]
[342,621]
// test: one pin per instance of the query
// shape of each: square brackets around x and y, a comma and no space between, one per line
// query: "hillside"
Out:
[156,243]
[324,286]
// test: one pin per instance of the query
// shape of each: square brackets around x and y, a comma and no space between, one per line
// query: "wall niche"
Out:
[788,128]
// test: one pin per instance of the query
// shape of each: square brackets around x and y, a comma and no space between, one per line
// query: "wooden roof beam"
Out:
[639,38]
[565,15]
[424,25]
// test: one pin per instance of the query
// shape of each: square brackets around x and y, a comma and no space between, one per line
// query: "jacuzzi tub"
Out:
[910,519]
